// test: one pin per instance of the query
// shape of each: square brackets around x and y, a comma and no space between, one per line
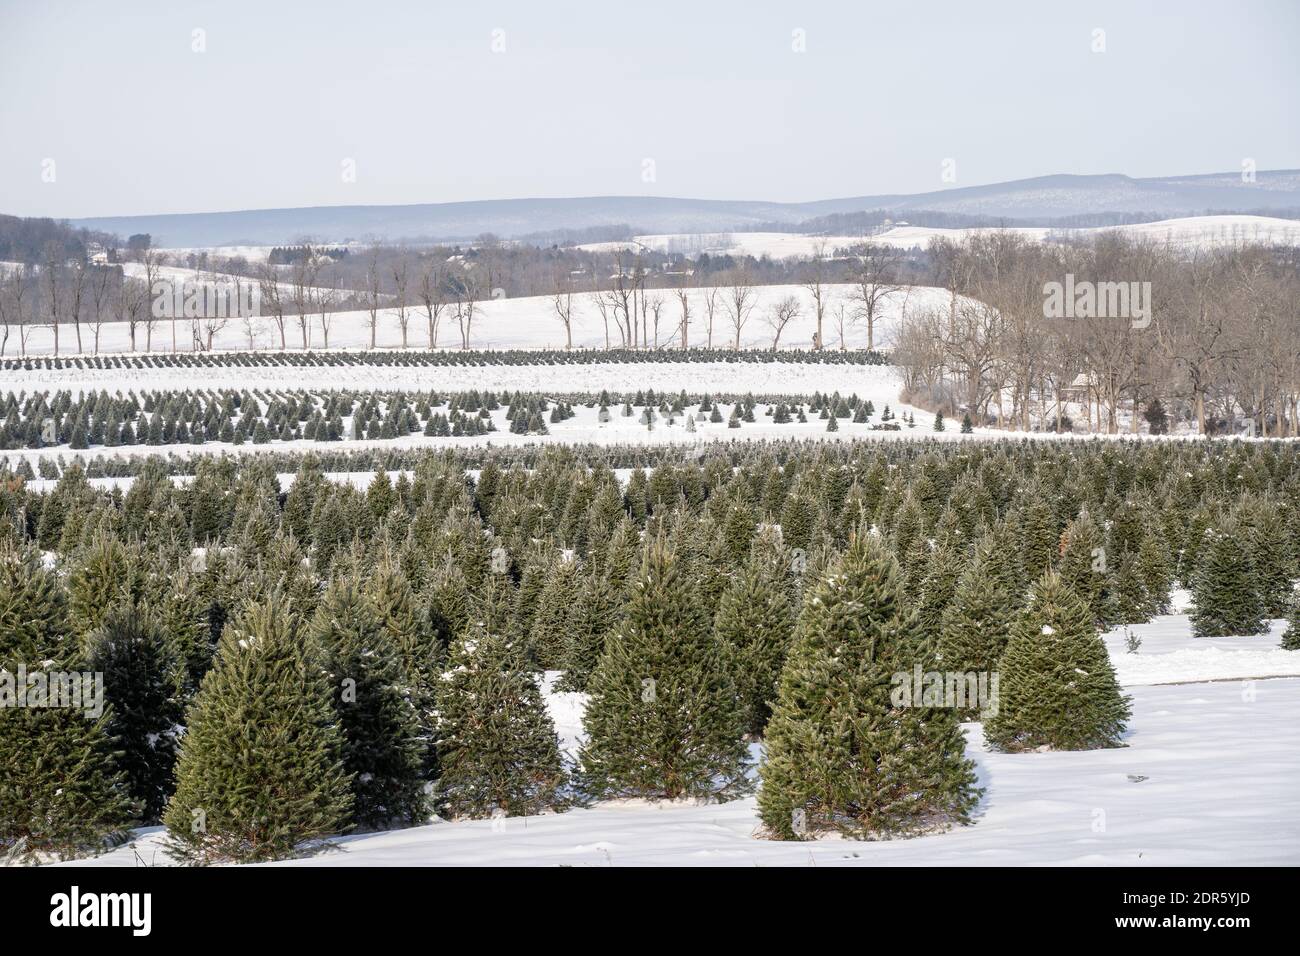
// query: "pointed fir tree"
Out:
[1155,569]
[260,770]
[943,573]
[1085,567]
[1132,602]
[1057,688]
[1291,637]
[409,632]
[555,617]
[664,720]
[106,574]
[382,747]
[597,611]
[497,745]
[130,650]
[844,752]
[976,626]
[61,793]
[755,623]
[1270,552]
[1225,593]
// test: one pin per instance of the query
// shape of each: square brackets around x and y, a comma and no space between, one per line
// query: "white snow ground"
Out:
[1210,776]
[721,377]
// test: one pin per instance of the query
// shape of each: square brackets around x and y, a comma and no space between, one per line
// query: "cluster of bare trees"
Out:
[1217,338]
[625,296]
[60,294]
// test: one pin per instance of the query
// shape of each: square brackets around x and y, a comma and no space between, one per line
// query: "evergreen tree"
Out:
[1226,596]
[1291,637]
[755,622]
[1057,688]
[61,793]
[555,618]
[664,719]
[130,650]
[382,748]
[260,770]
[1154,568]
[1269,553]
[844,752]
[106,574]
[183,616]
[1132,600]
[974,630]
[497,745]
[598,608]
[943,572]
[1085,567]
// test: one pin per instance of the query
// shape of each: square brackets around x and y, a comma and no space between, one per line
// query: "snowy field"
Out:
[1190,233]
[774,245]
[760,378]
[527,322]
[1193,232]
[583,428]
[1210,776]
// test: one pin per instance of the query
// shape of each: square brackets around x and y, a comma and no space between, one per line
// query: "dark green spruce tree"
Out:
[61,793]
[497,746]
[597,611]
[130,649]
[260,770]
[1057,688]
[1291,637]
[976,626]
[664,720]
[382,748]
[845,752]
[755,623]
[1226,596]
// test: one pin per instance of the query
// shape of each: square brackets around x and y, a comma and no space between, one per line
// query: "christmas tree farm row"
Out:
[279,666]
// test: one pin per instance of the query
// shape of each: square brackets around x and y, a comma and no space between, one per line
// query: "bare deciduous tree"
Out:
[562,303]
[432,294]
[302,284]
[740,301]
[683,293]
[711,297]
[779,315]
[102,284]
[876,281]
[374,282]
[815,284]
[465,291]
[399,271]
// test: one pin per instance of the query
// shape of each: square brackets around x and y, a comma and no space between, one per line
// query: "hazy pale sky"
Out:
[437,102]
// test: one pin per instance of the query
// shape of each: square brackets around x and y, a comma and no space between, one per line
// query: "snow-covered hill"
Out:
[1195,232]
[531,323]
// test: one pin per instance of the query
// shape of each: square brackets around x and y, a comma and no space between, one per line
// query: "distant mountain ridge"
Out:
[1039,197]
